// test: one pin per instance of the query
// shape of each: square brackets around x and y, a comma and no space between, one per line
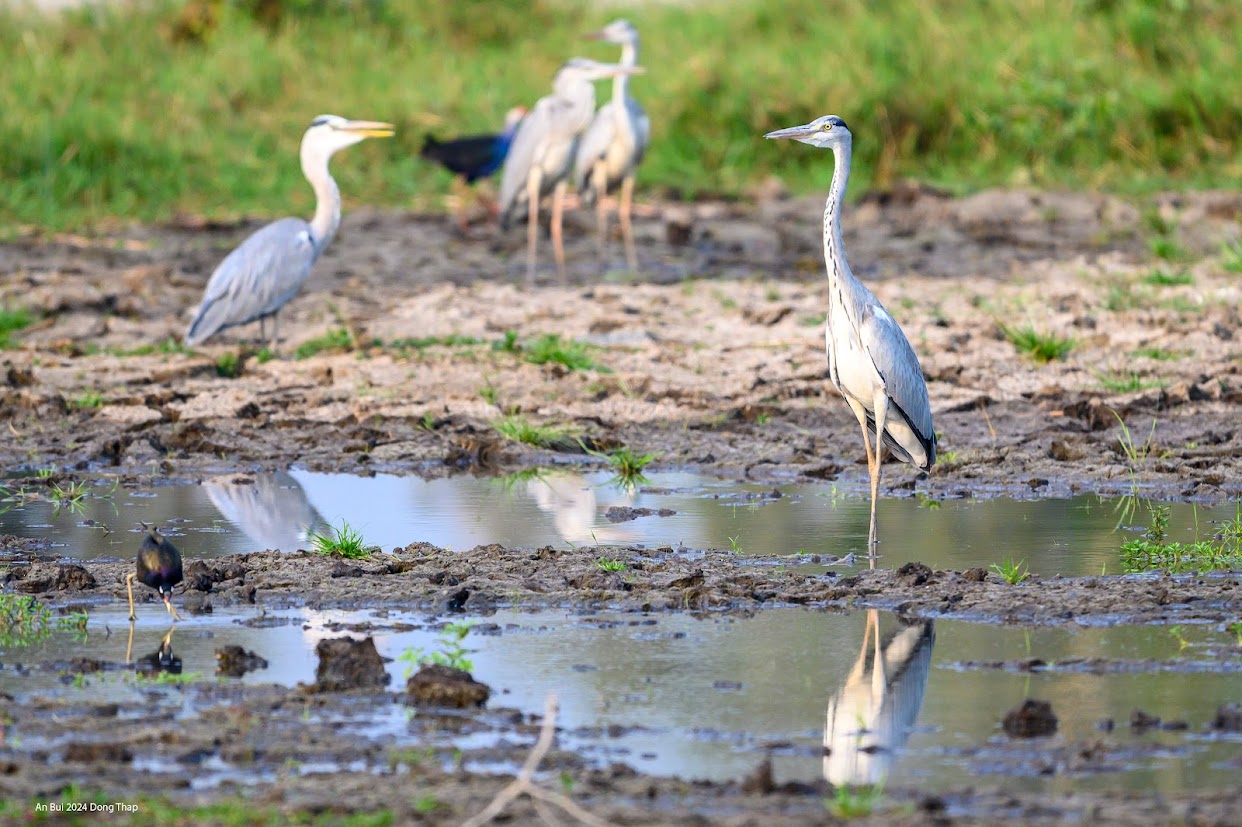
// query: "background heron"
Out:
[270,267]
[543,151]
[614,145]
[472,157]
[870,361]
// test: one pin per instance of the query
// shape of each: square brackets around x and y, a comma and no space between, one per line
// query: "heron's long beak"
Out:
[370,129]
[792,132]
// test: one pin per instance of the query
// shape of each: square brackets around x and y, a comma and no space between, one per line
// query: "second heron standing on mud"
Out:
[544,148]
[870,361]
[270,267]
[614,145]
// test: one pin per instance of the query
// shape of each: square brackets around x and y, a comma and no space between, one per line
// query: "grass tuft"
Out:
[12,321]
[1161,278]
[1154,551]
[551,349]
[521,429]
[1127,382]
[346,541]
[336,339]
[228,365]
[1011,572]
[1042,347]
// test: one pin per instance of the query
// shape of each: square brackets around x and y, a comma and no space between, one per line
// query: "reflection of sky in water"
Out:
[561,507]
[713,693]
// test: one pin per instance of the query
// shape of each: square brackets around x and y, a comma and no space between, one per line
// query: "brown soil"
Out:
[714,361]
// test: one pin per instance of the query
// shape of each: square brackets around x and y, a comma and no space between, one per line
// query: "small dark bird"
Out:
[158,566]
[474,156]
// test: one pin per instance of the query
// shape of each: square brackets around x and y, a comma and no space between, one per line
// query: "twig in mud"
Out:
[983,409]
[524,782]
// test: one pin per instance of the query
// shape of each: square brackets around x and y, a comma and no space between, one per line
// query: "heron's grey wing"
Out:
[593,146]
[642,127]
[523,155]
[256,279]
[893,357]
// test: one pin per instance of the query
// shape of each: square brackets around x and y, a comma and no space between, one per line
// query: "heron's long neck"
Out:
[581,96]
[327,198]
[621,83]
[834,245]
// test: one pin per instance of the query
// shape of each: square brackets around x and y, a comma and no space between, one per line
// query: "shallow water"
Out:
[1078,536]
[709,697]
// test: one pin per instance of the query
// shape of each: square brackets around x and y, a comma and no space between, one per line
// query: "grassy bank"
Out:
[198,106]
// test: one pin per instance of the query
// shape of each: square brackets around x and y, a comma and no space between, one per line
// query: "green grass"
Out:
[25,621]
[610,564]
[627,463]
[12,321]
[228,365]
[520,429]
[1154,551]
[1167,249]
[1231,256]
[336,339]
[452,651]
[86,400]
[550,348]
[854,802]
[112,112]
[1127,382]
[1011,572]
[346,541]
[1161,278]
[1042,347]
[1159,354]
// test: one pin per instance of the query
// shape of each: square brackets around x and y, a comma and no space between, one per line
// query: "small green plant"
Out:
[627,463]
[1011,572]
[228,365]
[507,343]
[264,355]
[12,321]
[550,348]
[735,544]
[70,495]
[1042,347]
[346,541]
[163,678]
[488,394]
[1127,382]
[336,339]
[1231,256]
[854,802]
[1159,354]
[1154,551]
[1236,628]
[46,473]
[1175,632]
[1161,278]
[813,321]
[1166,248]
[520,429]
[609,564]
[452,651]
[1135,454]
[87,400]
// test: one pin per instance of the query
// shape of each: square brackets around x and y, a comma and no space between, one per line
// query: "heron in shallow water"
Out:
[158,566]
[543,151]
[870,361]
[270,267]
[614,145]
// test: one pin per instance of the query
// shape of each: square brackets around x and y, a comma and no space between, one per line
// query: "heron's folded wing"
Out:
[893,357]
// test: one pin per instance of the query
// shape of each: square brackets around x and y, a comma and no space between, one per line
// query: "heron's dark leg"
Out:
[599,180]
[275,346]
[533,182]
[262,330]
[627,228]
[129,588]
[558,238]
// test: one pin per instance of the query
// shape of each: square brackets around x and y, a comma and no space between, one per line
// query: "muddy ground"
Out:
[712,358]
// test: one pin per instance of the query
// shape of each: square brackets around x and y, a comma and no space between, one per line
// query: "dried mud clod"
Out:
[233,661]
[345,663]
[1228,718]
[436,685]
[74,578]
[1031,719]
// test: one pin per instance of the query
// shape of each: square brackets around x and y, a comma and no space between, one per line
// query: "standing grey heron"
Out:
[870,361]
[271,265]
[614,145]
[543,151]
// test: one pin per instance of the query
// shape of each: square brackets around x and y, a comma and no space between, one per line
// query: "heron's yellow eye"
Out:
[827,126]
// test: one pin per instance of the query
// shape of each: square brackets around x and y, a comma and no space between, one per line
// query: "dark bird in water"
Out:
[158,566]
[473,157]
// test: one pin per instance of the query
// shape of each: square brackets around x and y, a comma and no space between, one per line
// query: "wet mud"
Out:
[713,360]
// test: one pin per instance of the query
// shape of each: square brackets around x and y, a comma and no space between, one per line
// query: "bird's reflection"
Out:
[571,501]
[871,715]
[270,509]
[161,660]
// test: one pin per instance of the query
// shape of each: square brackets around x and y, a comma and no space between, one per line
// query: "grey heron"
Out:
[271,265]
[870,361]
[543,151]
[614,145]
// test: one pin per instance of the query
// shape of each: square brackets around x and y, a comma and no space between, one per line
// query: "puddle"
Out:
[709,697]
[1071,537]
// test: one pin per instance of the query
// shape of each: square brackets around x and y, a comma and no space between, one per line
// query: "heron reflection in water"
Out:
[871,715]
[271,509]
[571,500]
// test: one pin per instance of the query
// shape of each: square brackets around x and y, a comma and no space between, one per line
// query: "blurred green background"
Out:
[140,111]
